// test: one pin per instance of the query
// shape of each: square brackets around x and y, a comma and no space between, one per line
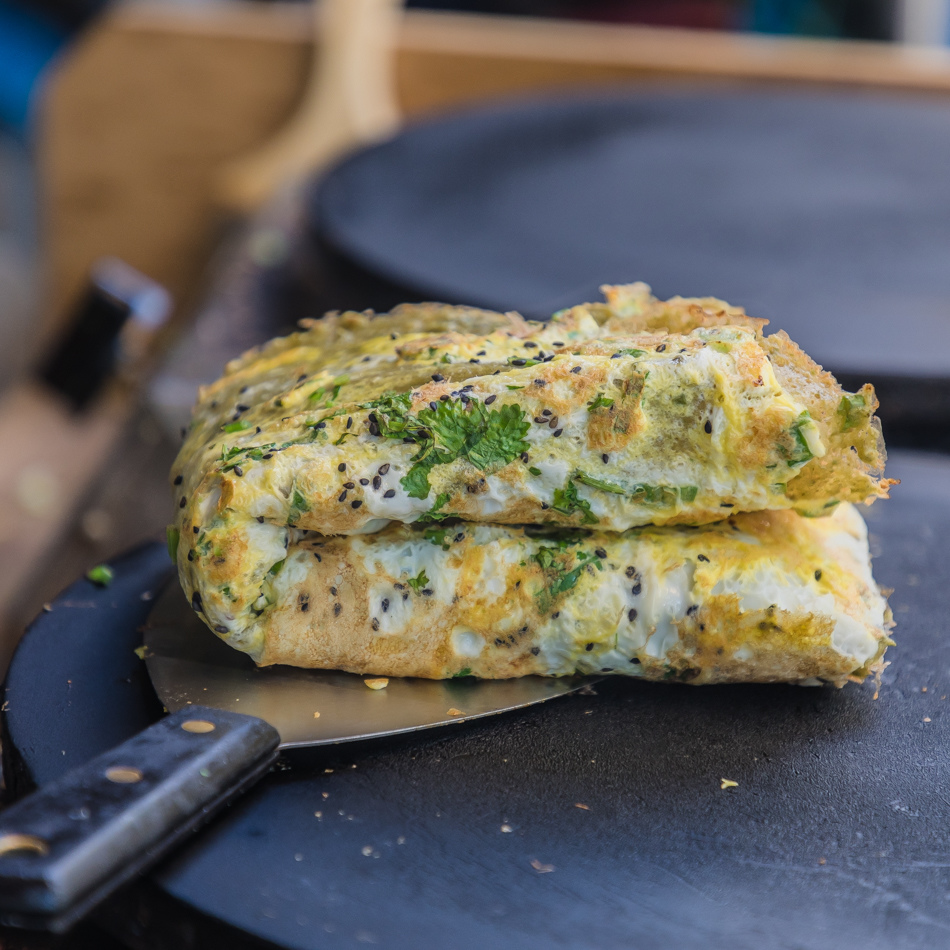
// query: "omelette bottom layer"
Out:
[762,597]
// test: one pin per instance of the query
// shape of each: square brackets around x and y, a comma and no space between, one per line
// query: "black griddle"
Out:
[838,835]
[826,212]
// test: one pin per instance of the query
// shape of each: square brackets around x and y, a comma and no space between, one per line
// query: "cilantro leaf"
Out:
[852,411]
[600,402]
[419,582]
[592,482]
[434,514]
[568,502]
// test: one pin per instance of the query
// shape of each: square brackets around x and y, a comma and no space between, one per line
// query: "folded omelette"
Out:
[443,491]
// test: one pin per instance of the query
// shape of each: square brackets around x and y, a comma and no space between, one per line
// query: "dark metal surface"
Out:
[189,665]
[838,834]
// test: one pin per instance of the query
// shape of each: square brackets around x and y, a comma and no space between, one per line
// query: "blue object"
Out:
[27,43]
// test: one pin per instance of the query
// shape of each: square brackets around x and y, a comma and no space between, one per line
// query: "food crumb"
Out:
[506,829]
[318,814]
[378,682]
[368,851]
[923,689]
[327,771]
[540,867]
[455,712]
[298,857]
[401,840]
[822,861]
[579,805]
[316,715]
[141,652]
[325,794]
[927,719]
[728,783]
[47,608]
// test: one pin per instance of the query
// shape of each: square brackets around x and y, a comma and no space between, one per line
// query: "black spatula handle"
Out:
[66,847]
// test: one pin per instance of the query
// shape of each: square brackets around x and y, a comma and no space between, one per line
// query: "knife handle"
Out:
[65,848]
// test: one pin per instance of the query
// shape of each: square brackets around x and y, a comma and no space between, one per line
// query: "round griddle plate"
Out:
[827,213]
[837,835]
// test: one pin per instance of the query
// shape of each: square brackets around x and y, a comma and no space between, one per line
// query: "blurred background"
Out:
[145,237]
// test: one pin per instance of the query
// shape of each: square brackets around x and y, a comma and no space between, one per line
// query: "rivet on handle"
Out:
[198,725]
[124,774]
[9,844]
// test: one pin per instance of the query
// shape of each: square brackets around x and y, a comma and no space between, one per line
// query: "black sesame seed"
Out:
[305,606]
[178,479]
[524,457]
[589,647]
[384,468]
[556,614]
[540,420]
[433,406]
[220,628]
[726,504]
[707,428]
[426,592]
[260,519]
[393,336]
[535,651]
[818,575]
[465,398]
[373,429]
[473,360]
[490,399]
[196,601]
[243,408]
[391,493]
[635,660]
[333,592]
[632,614]
[349,485]
[530,346]
[661,348]
[342,495]
[635,590]
[600,552]
[545,412]
[317,556]
[377,483]
[181,504]
[519,362]
[459,537]
[615,356]
[544,506]
[341,467]
[605,458]
[405,596]
[576,369]
[437,377]
[375,623]
[269,455]
[349,422]
[191,555]
[557,433]
[606,669]
[196,529]
[702,557]
[399,586]
[336,609]
[239,471]
[355,504]
[364,481]
[553,423]
[385,604]
[321,425]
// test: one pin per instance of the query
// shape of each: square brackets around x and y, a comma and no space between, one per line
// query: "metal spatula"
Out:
[67,847]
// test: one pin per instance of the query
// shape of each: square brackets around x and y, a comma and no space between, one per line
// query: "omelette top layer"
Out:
[613,415]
